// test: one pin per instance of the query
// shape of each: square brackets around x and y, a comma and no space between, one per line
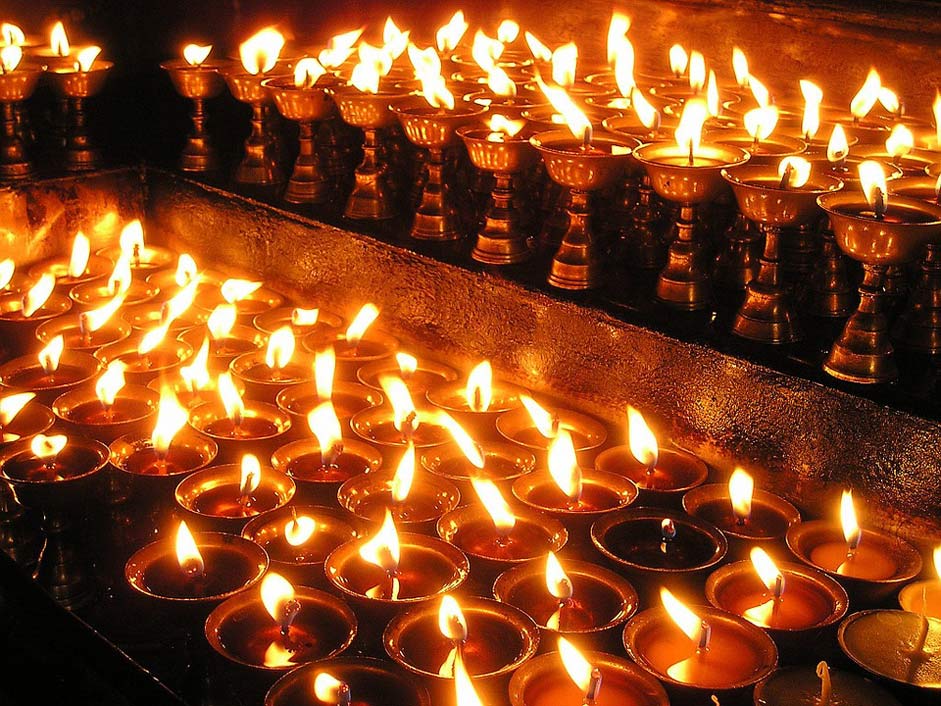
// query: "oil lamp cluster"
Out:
[297,484]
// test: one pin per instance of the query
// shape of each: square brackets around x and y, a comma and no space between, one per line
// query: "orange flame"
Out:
[85,59]
[361,322]
[407,363]
[325,363]
[479,390]
[404,475]
[697,71]
[539,50]
[111,383]
[187,553]
[563,466]
[325,425]
[331,690]
[617,35]
[688,133]
[50,355]
[299,530]
[307,72]
[38,295]
[813,97]
[304,317]
[7,270]
[546,423]
[221,321]
[280,348]
[12,34]
[277,595]
[851,531]
[579,669]
[235,290]
[495,505]
[195,54]
[740,67]
[449,36]
[872,179]
[564,63]
[250,475]
[259,53]
[900,142]
[12,405]
[508,31]
[557,581]
[120,279]
[47,448]
[866,97]
[10,57]
[643,443]
[196,374]
[685,619]
[760,122]
[679,60]
[578,123]
[837,146]
[405,416]
[741,490]
[59,40]
[383,548]
[798,171]
[231,399]
[339,48]
[171,417]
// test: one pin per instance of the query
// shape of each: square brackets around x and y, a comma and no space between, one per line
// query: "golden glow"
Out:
[404,475]
[465,443]
[195,54]
[557,581]
[813,97]
[617,35]
[451,621]
[382,549]
[221,321]
[900,142]
[741,490]
[485,50]
[38,295]
[713,104]
[851,531]
[132,240]
[196,374]
[186,270]
[508,31]
[936,112]
[766,569]
[449,36]
[688,133]
[235,290]
[259,53]
[740,67]
[304,317]
[325,363]
[78,260]
[867,95]
[59,40]
[180,302]
[405,417]
[872,179]
[642,442]
[479,390]
[10,57]
[545,422]
[697,71]
[153,338]
[579,669]
[495,505]
[563,465]
[760,92]
[111,382]
[679,60]
[648,115]
[7,270]
[171,417]
[427,67]
[624,67]
[299,530]
[499,82]
[394,40]
[276,655]
[187,553]
[231,399]
[12,405]
[760,122]
[307,72]
[564,64]
[120,279]
[47,447]
[799,173]
[12,34]
[685,619]
[539,50]
[501,126]
[339,48]
[373,65]
[329,689]
[250,475]
[276,593]
[576,121]
[936,555]
[360,323]
[280,348]
[85,59]
[325,425]
[889,99]
[407,363]
[837,146]
[49,356]
[464,692]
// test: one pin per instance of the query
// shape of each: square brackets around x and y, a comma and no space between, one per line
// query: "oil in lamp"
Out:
[17,84]
[478,402]
[359,345]
[76,83]
[688,173]
[490,639]
[430,122]
[98,293]
[89,330]
[419,374]
[196,78]
[258,57]
[922,597]
[779,197]
[196,569]
[237,425]
[879,232]
[822,685]
[321,465]
[22,313]
[22,417]
[797,605]
[303,321]
[534,427]
[899,151]
[78,267]
[870,565]
[415,504]
[404,423]
[225,341]
[108,409]
[281,626]
[265,373]
[49,373]
[746,515]
[662,475]
[305,99]
[581,599]
[298,538]
[572,675]
[701,651]
[147,356]
[583,163]
[347,680]
[143,257]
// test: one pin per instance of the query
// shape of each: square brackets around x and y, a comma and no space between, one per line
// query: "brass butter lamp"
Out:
[17,83]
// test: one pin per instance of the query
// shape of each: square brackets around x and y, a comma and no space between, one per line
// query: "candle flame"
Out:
[872,179]
[485,50]
[767,570]
[325,425]
[900,142]
[866,97]
[186,270]
[679,60]
[12,34]
[479,390]
[235,290]
[196,54]
[428,71]
[221,321]
[936,112]
[405,416]
[259,53]
[500,126]
[171,417]
[276,655]
[837,146]
[741,490]
[299,530]
[465,443]
[508,31]
[449,35]
[495,505]
[280,348]
[12,405]
[131,240]
[250,475]
[813,97]
[7,270]
[111,382]
[465,694]
[851,531]
[407,363]
[451,621]
[187,553]
[383,548]
[394,39]
[46,448]
[196,374]
[331,690]
[889,99]
[180,302]
[85,59]
[153,338]
[38,295]
[277,594]
[539,50]
[617,31]
[49,356]
[578,668]
[564,63]
[231,399]
[404,475]
[936,555]
[325,363]
[648,115]
[760,122]
[499,82]
[576,120]
[685,619]
[642,442]
[304,317]
[740,67]
[697,71]
[374,63]
[563,465]
[688,133]
[546,423]
[624,67]
[307,72]
[59,40]
[713,104]
[760,92]
[10,57]
[120,279]
[797,169]
[361,322]
[557,581]
[339,48]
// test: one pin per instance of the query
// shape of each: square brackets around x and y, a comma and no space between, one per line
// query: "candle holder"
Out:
[767,314]
[167,280]
[500,639]
[57,487]
[147,316]
[298,538]
[264,383]
[922,597]
[767,523]
[351,356]
[863,353]
[188,393]
[32,419]
[18,332]
[657,547]
[374,682]
[369,495]
[601,602]
[880,565]
[377,425]
[76,87]
[794,683]
[327,325]
[16,86]
[77,337]
[241,631]
[253,304]
[438,215]
[162,361]
[197,83]
[428,374]
[517,427]
[144,260]
[97,268]
[239,341]
[583,169]
[372,197]
[543,681]
[156,475]
[318,479]
[675,473]
[896,646]
[685,282]
[260,430]
[81,412]
[348,399]
[214,497]
[803,620]
[503,464]
[259,165]
[27,373]
[913,164]
[739,655]
[481,423]
[90,295]
[501,240]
